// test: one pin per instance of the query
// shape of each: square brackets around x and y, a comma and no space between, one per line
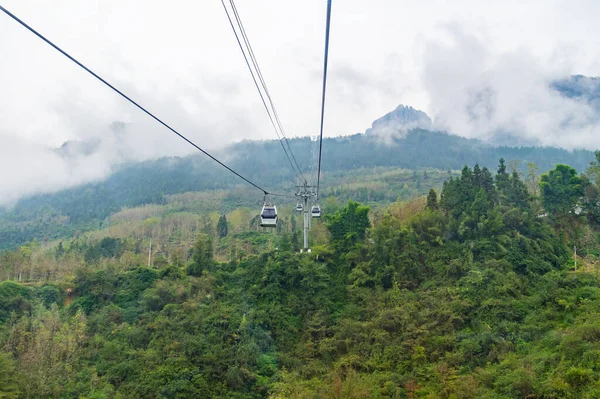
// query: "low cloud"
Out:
[33,168]
[202,89]
[506,98]
[100,139]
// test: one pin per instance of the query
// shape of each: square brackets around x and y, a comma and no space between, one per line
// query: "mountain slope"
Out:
[51,216]
[471,296]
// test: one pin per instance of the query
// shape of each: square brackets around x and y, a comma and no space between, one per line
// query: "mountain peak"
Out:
[399,121]
[82,148]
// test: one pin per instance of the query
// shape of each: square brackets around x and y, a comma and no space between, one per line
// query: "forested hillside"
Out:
[85,208]
[471,291]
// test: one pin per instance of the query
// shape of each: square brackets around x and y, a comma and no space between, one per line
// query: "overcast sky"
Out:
[180,59]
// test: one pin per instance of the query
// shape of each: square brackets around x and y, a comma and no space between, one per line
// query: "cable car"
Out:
[316,211]
[268,216]
[299,207]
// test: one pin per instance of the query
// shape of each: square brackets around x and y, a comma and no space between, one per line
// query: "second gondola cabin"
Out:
[316,211]
[268,216]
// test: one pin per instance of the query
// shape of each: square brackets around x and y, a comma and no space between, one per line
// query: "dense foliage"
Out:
[470,293]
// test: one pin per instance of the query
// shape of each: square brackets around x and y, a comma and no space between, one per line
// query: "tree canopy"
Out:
[561,190]
[472,294]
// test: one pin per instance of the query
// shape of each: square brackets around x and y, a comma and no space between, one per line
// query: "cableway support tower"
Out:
[307,193]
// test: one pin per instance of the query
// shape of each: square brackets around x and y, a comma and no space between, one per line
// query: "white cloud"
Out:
[42,170]
[477,93]
[181,60]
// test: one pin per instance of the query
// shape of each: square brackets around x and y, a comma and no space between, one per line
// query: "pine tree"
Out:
[477,176]
[222,229]
[517,194]
[487,183]
[502,182]
[501,176]
[432,202]
[467,188]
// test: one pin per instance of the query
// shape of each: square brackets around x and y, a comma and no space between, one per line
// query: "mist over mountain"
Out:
[50,216]
[400,120]
[118,147]
[578,88]
[112,140]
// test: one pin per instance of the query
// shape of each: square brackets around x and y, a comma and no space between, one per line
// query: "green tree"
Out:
[49,362]
[449,199]
[487,183]
[432,202]
[50,294]
[9,386]
[296,240]
[222,229]
[561,190]
[502,180]
[593,171]
[207,225]
[533,179]
[591,202]
[293,223]
[516,192]
[348,226]
[477,175]
[202,257]
[314,277]
[60,251]
[330,206]
[284,243]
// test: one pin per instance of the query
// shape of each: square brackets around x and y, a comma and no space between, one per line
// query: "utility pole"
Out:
[306,192]
[575,254]
[150,252]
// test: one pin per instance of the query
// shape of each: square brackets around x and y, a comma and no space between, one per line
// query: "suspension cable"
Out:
[264,84]
[271,112]
[39,35]
[324,89]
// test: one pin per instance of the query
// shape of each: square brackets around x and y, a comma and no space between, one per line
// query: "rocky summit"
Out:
[399,121]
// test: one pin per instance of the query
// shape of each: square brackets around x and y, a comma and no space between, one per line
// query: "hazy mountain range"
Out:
[400,139]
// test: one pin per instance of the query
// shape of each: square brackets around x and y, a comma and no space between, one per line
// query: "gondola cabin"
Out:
[299,208]
[268,216]
[316,211]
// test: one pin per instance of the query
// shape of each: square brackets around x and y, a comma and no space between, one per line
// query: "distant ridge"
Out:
[580,87]
[74,149]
